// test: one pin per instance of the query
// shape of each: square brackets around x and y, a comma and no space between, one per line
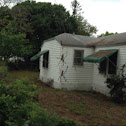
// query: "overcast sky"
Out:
[106,15]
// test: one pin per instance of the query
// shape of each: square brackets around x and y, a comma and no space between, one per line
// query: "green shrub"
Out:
[14,100]
[7,104]
[117,86]
[23,91]
[65,122]
[19,107]
[3,71]
[40,117]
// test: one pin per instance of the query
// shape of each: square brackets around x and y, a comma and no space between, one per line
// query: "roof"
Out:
[99,56]
[109,40]
[67,39]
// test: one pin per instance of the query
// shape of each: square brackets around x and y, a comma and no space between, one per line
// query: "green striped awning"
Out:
[99,56]
[38,55]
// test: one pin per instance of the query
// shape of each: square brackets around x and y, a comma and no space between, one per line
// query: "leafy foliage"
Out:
[117,86]
[76,7]
[20,107]
[83,26]
[13,45]
[5,17]
[107,34]
[26,25]
[3,71]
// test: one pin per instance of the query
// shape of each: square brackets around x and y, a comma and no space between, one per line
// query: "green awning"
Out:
[99,56]
[38,55]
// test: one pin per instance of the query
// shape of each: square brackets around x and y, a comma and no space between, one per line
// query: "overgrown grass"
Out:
[78,109]
[22,74]
[88,108]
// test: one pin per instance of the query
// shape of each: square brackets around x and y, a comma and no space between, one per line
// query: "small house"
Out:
[76,62]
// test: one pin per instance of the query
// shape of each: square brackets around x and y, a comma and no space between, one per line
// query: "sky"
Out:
[106,15]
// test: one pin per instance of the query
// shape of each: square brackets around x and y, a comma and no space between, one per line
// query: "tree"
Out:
[83,27]
[28,24]
[76,8]
[5,17]
[107,34]
[33,23]
[13,44]
[40,21]
[51,20]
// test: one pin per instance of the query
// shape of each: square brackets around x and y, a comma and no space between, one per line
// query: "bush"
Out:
[19,107]
[117,86]
[16,99]
[65,122]
[3,71]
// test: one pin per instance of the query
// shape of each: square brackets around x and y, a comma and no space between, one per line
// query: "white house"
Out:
[75,62]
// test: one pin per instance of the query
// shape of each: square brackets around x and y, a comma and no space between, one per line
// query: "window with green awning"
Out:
[99,56]
[38,55]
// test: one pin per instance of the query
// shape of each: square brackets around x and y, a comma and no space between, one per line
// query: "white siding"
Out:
[52,72]
[99,79]
[76,77]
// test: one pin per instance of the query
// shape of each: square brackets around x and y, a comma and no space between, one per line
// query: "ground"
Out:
[87,108]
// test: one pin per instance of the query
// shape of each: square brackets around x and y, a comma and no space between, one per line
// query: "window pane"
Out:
[45,60]
[78,53]
[103,66]
[112,64]
[78,57]
[77,61]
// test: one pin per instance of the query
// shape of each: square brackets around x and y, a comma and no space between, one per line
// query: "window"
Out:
[46,60]
[78,57]
[103,66]
[109,65]
[112,64]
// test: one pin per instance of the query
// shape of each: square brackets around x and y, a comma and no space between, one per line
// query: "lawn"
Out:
[87,108]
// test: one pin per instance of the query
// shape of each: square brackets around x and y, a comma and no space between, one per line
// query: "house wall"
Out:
[98,78]
[86,77]
[50,75]
[76,77]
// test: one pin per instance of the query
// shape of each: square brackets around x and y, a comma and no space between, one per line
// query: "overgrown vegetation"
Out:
[107,34]
[20,106]
[117,86]
[3,71]
[26,25]
[88,108]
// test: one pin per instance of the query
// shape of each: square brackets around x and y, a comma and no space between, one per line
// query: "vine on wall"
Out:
[62,64]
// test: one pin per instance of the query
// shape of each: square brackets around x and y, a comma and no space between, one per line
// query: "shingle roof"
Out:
[109,40]
[67,39]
